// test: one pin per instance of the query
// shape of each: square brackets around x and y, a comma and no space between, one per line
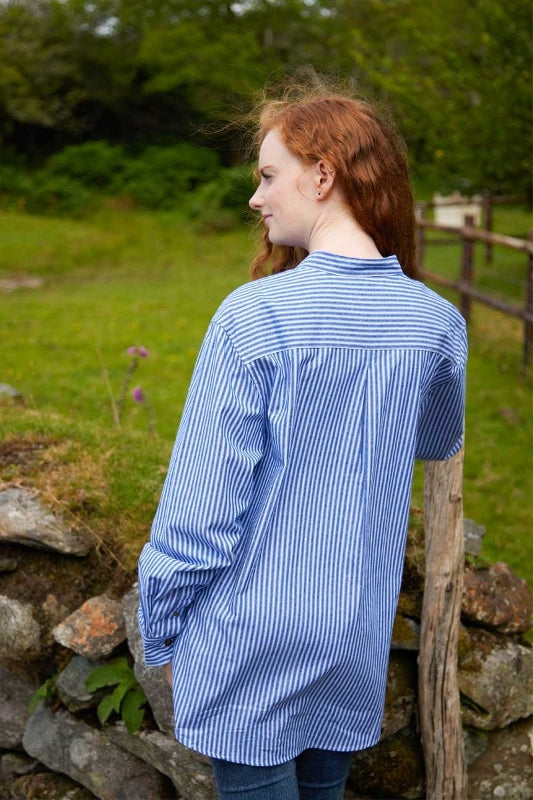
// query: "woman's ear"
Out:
[324,179]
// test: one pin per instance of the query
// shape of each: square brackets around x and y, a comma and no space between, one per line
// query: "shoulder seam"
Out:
[332,347]
[239,356]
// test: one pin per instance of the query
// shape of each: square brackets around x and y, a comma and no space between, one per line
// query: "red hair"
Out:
[370,165]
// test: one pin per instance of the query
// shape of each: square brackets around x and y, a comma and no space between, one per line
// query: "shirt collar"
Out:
[331,262]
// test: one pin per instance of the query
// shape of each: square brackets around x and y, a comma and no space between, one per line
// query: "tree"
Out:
[37,65]
[457,79]
[455,75]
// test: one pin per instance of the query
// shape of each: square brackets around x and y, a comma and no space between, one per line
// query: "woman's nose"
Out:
[255,202]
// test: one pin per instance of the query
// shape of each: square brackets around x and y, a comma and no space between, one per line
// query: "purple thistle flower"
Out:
[137,394]
[137,351]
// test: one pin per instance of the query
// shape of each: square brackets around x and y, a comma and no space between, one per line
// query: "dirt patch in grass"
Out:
[22,455]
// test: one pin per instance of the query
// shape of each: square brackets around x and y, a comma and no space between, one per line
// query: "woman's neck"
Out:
[336,231]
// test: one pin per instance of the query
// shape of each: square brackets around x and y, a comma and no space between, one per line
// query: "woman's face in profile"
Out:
[286,195]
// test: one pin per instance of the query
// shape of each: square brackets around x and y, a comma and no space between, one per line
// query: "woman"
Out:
[270,582]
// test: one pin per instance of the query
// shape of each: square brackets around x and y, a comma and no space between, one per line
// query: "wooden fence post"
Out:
[421,237]
[438,690]
[488,223]
[467,267]
[528,325]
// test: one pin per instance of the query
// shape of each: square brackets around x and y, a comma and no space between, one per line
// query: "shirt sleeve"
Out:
[207,489]
[441,417]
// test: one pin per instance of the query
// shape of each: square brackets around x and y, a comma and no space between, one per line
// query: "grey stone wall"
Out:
[59,749]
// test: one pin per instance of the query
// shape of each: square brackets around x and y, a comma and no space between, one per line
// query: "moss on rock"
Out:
[393,768]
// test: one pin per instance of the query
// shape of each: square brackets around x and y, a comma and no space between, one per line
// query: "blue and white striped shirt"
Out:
[274,565]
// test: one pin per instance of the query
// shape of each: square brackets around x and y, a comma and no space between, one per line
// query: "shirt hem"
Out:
[269,758]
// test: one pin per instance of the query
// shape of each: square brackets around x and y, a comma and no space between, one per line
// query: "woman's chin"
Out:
[279,241]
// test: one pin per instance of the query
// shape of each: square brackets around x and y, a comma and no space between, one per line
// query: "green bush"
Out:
[93,164]
[182,175]
[232,189]
[224,199]
[46,191]
[161,176]
[56,194]
[15,184]
[42,192]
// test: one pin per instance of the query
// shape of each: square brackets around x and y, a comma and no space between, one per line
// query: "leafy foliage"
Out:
[56,194]
[44,694]
[227,67]
[37,65]
[223,201]
[459,92]
[232,189]
[93,164]
[127,699]
[15,185]
[146,72]
[161,176]
[157,177]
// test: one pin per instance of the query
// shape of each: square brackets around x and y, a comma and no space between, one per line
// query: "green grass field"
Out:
[122,278]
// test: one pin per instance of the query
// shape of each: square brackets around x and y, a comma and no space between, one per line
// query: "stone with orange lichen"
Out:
[94,629]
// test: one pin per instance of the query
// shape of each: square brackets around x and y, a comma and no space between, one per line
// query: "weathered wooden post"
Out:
[467,267]
[528,325]
[438,689]
[420,236]
[488,223]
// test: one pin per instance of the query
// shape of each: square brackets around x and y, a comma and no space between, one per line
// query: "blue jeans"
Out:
[313,775]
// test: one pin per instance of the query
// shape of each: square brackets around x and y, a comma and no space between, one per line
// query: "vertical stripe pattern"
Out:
[273,569]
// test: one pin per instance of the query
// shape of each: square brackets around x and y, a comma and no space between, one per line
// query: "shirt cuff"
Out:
[157,653]
[158,649]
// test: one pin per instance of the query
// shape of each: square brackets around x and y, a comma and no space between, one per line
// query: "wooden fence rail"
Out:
[468,234]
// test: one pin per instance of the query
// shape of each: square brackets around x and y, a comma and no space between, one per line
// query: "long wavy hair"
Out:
[370,164]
